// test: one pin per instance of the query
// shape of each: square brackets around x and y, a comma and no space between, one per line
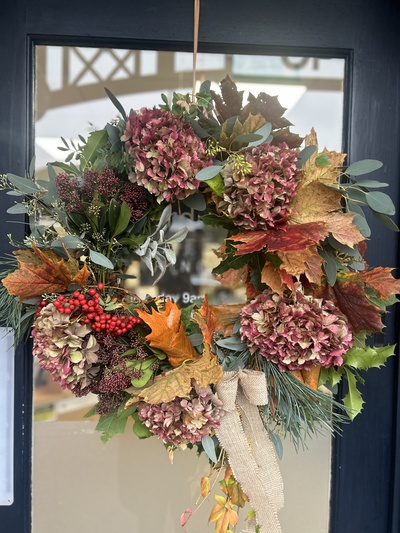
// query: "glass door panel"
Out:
[127,483]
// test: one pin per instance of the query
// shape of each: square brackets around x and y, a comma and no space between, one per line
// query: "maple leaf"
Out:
[42,273]
[168,333]
[307,262]
[271,276]
[286,136]
[269,107]
[232,277]
[178,382]
[250,125]
[314,200]
[381,280]
[229,104]
[326,174]
[349,295]
[288,238]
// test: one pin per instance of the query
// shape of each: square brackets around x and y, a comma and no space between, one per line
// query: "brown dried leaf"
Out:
[325,174]
[229,104]
[271,276]
[269,107]
[41,273]
[178,382]
[250,125]
[381,280]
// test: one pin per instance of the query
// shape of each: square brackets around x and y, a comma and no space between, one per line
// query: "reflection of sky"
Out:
[305,109]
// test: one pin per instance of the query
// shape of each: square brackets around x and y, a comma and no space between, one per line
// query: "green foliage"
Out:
[111,424]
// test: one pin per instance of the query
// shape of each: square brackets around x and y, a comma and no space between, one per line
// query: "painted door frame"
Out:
[366,460]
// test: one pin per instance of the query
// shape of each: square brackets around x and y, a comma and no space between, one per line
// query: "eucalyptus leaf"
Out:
[196,339]
[208,172]
[209,447]
[116,103]
[17,209]
[386,220]
[354,208]
[362,225]
[100,259]
[247,137]
[71,242]
[356,194]
[380,202]
[264,131]
[24,185]
[330,267]
[305,154]
[15,193]
[195,201]
[363,167]
[371,184]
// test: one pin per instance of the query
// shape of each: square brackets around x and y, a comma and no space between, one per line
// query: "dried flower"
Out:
[259,197]
[295,332]
[65,348]
[184,420]
[166,153]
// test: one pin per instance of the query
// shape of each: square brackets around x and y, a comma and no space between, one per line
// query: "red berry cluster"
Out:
[86,306]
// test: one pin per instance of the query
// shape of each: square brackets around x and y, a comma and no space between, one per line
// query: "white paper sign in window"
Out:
[6,417]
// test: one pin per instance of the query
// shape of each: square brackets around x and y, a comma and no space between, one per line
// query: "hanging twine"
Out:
[251,453]
[195,42]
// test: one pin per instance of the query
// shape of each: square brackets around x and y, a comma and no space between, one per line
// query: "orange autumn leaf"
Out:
[288,238]
[311,376]
[205,319]
[168,334]
[42,273]
[178,382]
[223,515]
[233,277]
[271,276]
[381,280]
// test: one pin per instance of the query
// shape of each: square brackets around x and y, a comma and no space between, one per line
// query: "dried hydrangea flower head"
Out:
[184,420]
[296,332]
[65,348]
[166,154]
[259,198]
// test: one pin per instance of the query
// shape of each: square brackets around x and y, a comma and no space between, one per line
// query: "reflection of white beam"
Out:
[6,417]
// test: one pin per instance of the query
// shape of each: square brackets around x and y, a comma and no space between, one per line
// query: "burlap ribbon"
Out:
[251,453]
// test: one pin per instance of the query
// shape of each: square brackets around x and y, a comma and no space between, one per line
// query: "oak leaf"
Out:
[168,333]
[288,238]
[216,318]
[178,382]
[42,273]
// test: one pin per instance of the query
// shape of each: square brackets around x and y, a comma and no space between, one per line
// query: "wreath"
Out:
[228,379]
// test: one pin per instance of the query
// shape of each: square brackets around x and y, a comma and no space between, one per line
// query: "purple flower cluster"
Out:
[184,420]
[259,199]
[65,348]
[295,332]
[100,186]
[166,153]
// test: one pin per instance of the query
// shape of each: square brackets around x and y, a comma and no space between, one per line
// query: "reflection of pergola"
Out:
[124,76]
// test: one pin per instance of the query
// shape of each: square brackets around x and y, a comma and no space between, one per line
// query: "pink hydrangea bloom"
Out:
[65,348]
[295,332]
[184,420]
[166,153]
[260,199]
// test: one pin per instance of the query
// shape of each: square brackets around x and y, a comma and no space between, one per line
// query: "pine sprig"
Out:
[297,409]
